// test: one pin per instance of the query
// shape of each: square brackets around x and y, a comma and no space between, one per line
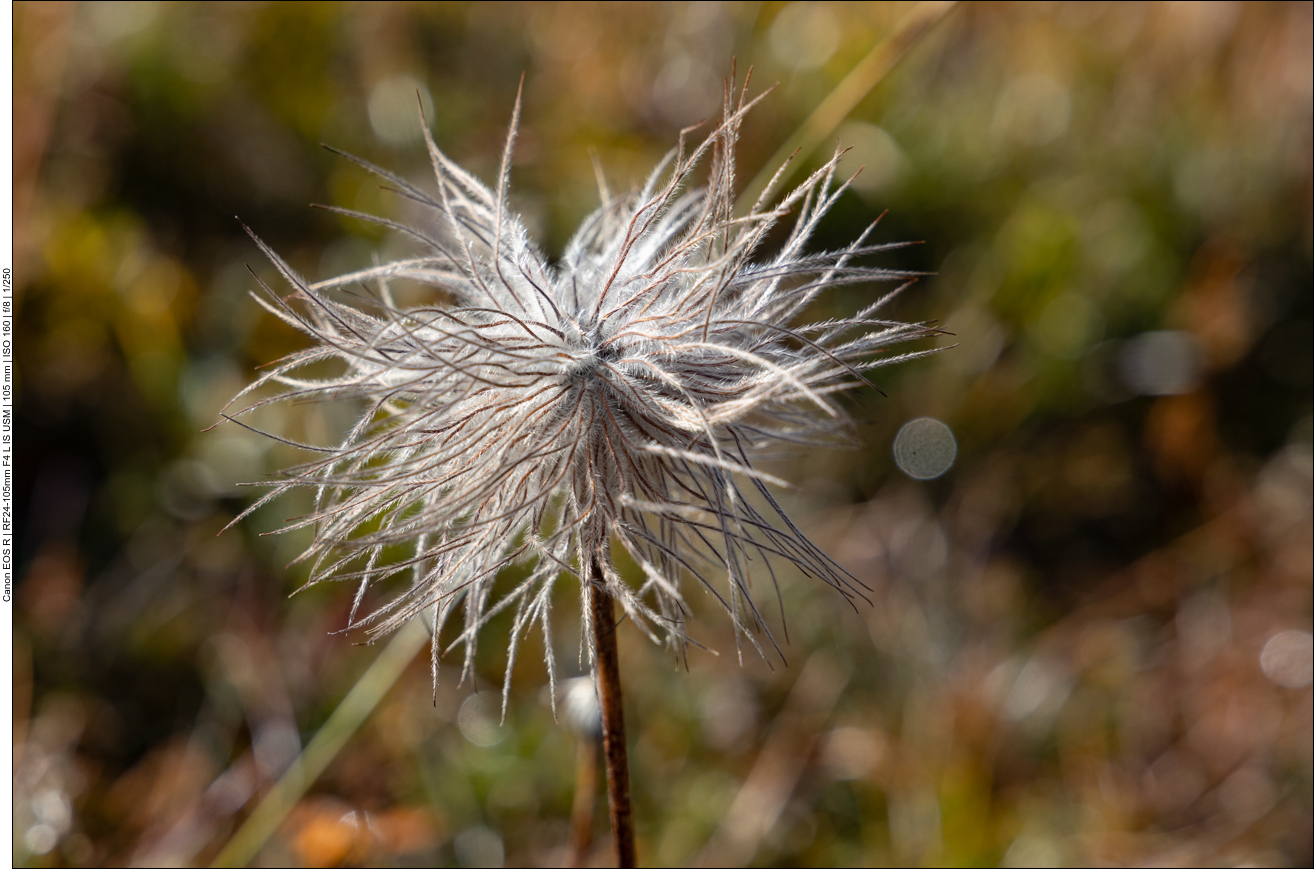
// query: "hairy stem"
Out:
[606,678]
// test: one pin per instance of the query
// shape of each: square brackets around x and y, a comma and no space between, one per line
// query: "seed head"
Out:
[552,416]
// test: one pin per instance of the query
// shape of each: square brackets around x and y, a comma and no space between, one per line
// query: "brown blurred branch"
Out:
[40,48]
[581,810]
[779,765]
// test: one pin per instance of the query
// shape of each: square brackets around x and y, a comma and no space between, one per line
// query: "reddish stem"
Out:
[606,676]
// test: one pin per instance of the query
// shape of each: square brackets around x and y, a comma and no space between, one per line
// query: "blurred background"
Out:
[1088,642]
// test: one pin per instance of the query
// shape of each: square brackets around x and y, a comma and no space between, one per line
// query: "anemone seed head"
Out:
[551,415]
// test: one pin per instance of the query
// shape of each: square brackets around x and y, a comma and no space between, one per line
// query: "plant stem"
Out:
[606,677]
[845,97]
[364,696]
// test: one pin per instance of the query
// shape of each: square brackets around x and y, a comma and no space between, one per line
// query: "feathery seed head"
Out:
[552,415]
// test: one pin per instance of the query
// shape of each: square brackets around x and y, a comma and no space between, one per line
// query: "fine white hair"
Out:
[552,415]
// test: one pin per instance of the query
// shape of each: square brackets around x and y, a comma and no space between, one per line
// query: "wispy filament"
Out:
[549,416]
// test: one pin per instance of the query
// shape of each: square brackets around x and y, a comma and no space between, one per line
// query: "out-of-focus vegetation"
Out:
[1088,642]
